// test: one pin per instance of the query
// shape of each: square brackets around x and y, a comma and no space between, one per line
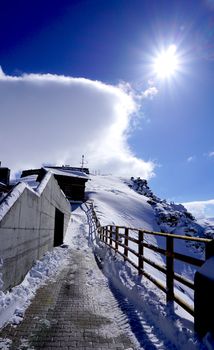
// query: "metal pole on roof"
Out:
[83,162]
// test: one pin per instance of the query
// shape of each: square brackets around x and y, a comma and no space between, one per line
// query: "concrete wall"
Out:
[27,220]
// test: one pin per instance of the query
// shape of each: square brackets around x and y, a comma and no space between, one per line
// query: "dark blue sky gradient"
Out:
[99,39]
[114,40]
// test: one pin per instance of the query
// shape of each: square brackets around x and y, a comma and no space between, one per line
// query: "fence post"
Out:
[106,234]
[204,291]
[141,252]
[209,249]
[169,269]
[111,236]
[102,234]
[97,222]
[126,243]
[116,238]
[98,232]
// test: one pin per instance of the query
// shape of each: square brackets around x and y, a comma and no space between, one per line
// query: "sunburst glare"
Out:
[166,63]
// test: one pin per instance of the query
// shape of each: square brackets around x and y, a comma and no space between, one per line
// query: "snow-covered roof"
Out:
[31,180]
[19,188]
[67,172]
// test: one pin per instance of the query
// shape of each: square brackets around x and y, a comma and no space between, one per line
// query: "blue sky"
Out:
[116,41]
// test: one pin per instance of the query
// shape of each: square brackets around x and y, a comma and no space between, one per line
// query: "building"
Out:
[33,219]
[72,182]
[34,216]
[70,168]
[4,175]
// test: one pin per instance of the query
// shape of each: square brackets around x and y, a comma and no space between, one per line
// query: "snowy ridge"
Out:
[117,204]
[208,226]
[171,217]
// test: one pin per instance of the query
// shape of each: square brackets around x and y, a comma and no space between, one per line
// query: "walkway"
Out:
[84,309]
[75,311]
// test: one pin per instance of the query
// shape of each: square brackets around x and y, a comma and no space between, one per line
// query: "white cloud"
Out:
[48,118]
[150,92]
[201,209]
[191,159]
[1,73]
[211,154]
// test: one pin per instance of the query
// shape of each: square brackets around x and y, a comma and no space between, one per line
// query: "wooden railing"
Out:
[118,238]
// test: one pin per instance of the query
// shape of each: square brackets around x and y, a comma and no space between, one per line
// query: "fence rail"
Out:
[114,238]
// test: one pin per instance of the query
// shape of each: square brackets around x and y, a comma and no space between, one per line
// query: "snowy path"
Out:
[144,314]
[76,311]
[83,308]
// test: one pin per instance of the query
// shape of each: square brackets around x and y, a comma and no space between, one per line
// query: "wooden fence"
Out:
[119,236]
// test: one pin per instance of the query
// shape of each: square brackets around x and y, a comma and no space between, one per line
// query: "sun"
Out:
[166,63]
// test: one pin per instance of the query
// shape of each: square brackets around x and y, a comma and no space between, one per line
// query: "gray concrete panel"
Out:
[27,230]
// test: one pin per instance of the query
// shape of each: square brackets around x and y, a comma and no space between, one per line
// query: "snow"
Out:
[5,343]
[67,172]
[16,192]
[13,304]
[208,226]
[171,217]
[117,204]
[43,183]
[11,198]
[31,180]
[141,300]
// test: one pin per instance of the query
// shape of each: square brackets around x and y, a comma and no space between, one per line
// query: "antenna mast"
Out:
[83,162]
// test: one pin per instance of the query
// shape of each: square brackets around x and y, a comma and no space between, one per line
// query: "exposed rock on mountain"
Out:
[172,217]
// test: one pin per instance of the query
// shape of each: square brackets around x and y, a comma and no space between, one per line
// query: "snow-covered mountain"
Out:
[173,217]
[118,204]
[208,226]
[131,203]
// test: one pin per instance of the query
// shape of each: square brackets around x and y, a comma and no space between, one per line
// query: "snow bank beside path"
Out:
[154,325]
[14,303]
[160,322]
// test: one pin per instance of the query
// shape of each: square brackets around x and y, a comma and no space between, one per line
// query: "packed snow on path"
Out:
[153,324]
[13,304]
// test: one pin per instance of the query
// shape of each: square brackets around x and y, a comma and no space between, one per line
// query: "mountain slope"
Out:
[131,203]
[117,204]
[170,217]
